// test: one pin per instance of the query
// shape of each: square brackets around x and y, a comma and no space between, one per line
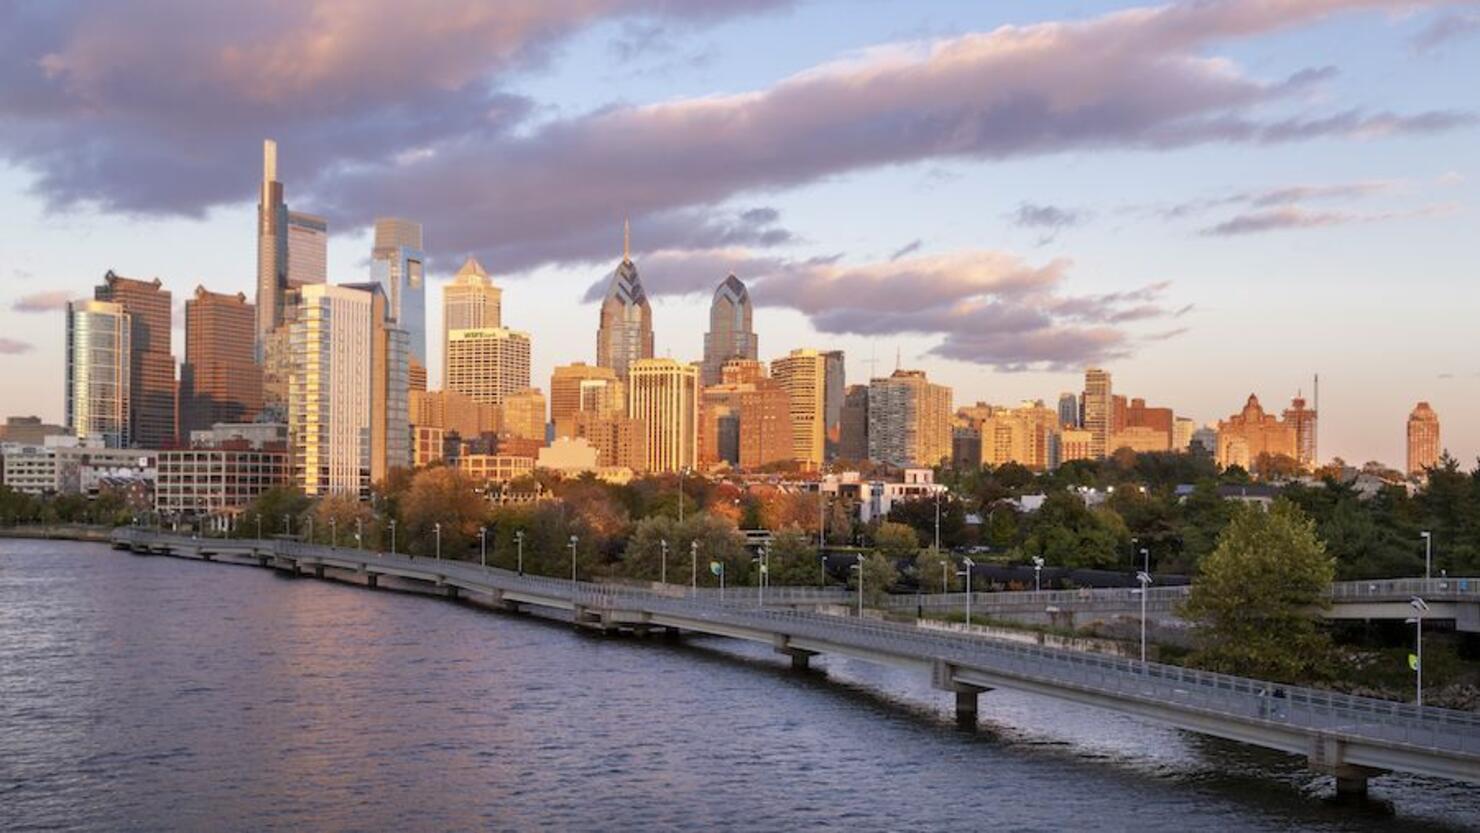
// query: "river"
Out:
[150,693]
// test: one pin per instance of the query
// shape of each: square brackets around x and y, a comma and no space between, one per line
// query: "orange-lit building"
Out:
[1423,439]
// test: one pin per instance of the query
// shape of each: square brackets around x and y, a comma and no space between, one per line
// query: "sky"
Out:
[1208,199]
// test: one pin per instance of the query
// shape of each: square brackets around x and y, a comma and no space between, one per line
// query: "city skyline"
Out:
[1281,277]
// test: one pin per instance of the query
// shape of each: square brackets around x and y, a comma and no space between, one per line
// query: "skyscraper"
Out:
[469,302]
[1098,411]
[398,264]
[98,377]
[331,390]
[1423,439]
[731,335]
[1068,410]
[834,388]
[853,443]
[272,248]
[1251,433]
[308,250]
[151,362]
[583,387]
[664,396]
[803,375]
[909,420]
[745,420]
[219,381]
[1303,419]
[524,414]
[487,364]
[626,331]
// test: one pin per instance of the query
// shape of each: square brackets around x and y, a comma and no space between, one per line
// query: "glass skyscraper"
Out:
[99,354]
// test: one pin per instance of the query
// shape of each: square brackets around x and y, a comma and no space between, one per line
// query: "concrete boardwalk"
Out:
[1350,737]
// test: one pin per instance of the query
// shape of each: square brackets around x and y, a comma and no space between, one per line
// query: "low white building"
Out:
[68,465]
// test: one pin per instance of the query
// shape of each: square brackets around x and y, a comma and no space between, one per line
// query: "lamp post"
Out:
[937,520]
[1428,553]
[573,541]
[1135,542]
[259,526]
[760,579]
[682,470]
[822,571]
[945,577]
[359,533]
[393,536]
[693,568]
[663,562]
[333,533]
[858,565]
[437,530]
[519,549]
[968,563]
[483,545]
[310,529]
[821,517]
[1145,579]
[1037,574]
[1420,607]
[1146,560]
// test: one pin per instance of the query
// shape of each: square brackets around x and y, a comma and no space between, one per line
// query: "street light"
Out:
[1428,553]
[483,545]
[937,519]
[945,575]
[967,573]
[1420,607]
[573,540]
[287,524]
[663,563]
[333,533]
[1037,574]
[393,536]
[760,577]
[1145,579]
[1146,559]
[259,526]
[1134,543]
[859,567]
[359,533]
[693,568]
[519,548]
[822,571]
[681,473]
[437,530]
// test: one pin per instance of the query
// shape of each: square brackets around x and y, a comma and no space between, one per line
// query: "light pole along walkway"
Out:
[1350,737]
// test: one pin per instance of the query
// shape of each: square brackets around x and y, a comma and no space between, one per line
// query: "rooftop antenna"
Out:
[873,360]
[626,239]
[898,358]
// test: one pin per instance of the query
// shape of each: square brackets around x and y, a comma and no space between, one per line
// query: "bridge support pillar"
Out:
[318,571]
[801,658]
[1351,783]
[452,594]
[372,580]
[943,677]
[1329,754]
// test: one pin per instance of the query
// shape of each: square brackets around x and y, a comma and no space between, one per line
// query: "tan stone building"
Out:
[524,414]
[1423,439]
[1244,436]
[487,364]
[745,420]
[1140,438]
[803,375]
[583,387]
[1099,410]
[1027,434]
[664,395]
[449,410]
[909,420]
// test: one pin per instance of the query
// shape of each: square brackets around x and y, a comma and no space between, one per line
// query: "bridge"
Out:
[1449,599]
[1352,738]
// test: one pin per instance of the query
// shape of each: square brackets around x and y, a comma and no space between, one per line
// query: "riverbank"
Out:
[59,532]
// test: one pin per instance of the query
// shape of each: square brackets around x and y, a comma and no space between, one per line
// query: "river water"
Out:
[150,693]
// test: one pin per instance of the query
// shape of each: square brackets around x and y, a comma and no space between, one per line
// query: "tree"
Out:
[274,507]
[896,541]
[441,497]
[1255,605]
[936,571]
[717,539]
[793,558]
[334,518]
[919,514]
[879,575]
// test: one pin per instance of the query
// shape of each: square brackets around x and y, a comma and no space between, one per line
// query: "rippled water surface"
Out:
[149,693]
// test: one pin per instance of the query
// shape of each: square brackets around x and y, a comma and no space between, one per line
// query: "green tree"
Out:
[896,541]
[334,521]
[277,508]
[441,498]
[1255,606]
[717,539]
[793,558]
[879,576]
[936,572]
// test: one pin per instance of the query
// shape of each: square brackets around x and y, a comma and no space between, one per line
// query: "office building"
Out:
[219,381]
[583,387]
[292,253]
[524,414]
[223,469]
[620,441]
[664,395]
[625,334]
[1027,435]
[151,360]
[853,424]
[487,364]
[1245,436]
[745,420]
[1303,420]
[731,333]
[99,378]
[804,375]
[398,264]
[1183,430]
[469,302]
[909,420]
[1068,410]
[454,412]
[1423,439]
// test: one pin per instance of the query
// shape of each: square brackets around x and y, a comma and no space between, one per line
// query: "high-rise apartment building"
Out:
[1303,420]
[487,364]
[151,361]
[1245,436]
[219,381]
[469,302]
[664,395]
[1068,410]
[98,372]
[813,379]
[909,420]
[731,333]
[583,387]
[347,406]
[1423,439]
[1182,431]
[625,334]
[620,442]
[1098,411]
[398,264]
[745,420]
[853,430]
[1027,435]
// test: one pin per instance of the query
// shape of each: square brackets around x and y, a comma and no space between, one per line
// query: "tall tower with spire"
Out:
[731,333]
[272,247]
[625,333]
